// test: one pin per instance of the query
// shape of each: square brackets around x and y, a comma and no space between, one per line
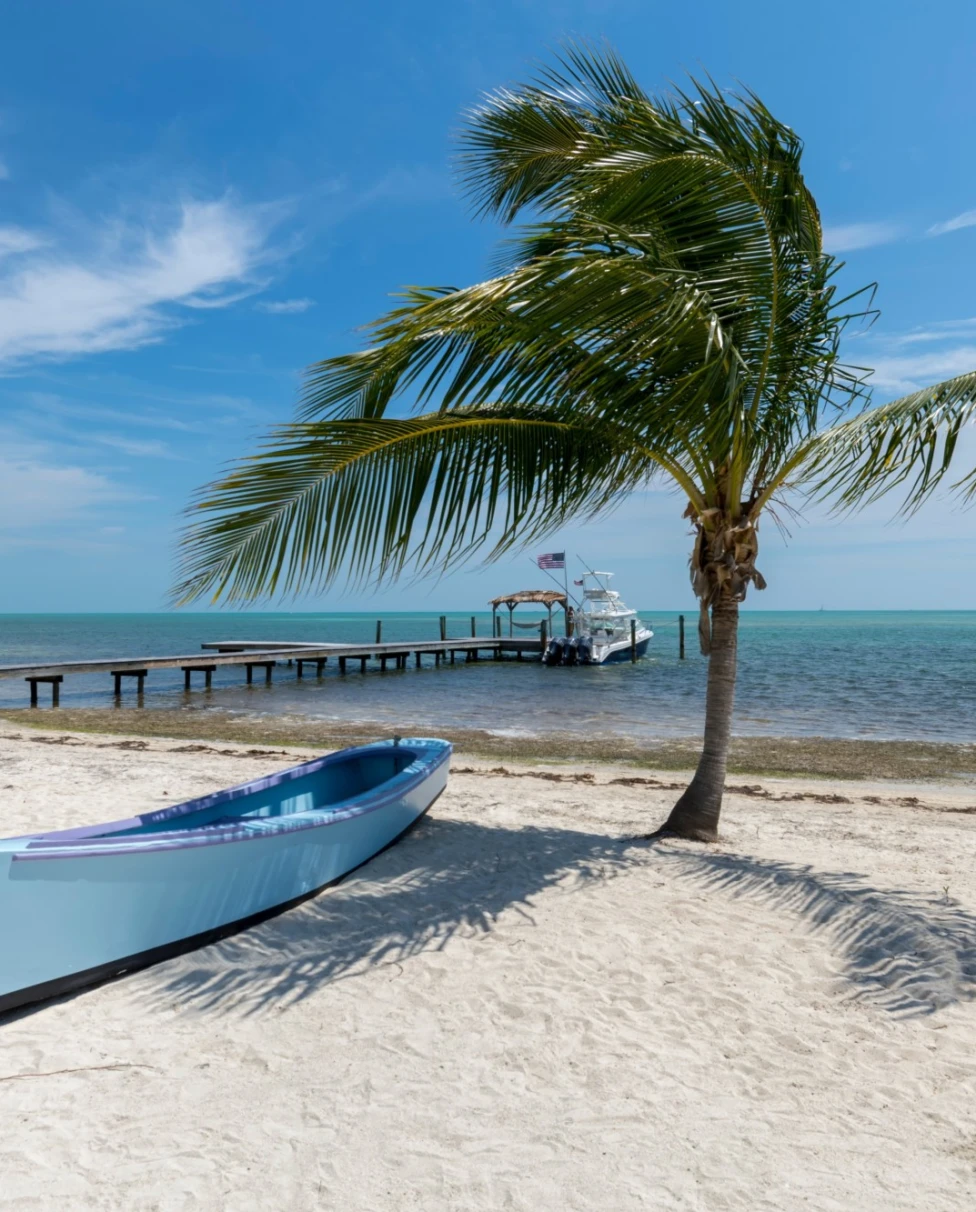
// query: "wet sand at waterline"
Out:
[812,756]
[523,1005]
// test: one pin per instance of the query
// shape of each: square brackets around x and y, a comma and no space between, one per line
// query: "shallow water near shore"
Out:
[869,675]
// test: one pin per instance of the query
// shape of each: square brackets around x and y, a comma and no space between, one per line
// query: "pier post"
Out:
[267,666]
[543,636]
[138,674]
[206,670]
[633,640]
[474,630]
[417,658]
[362,664]
[379,631]
[681,637]
[54,680]
[298,672]
[443,622]
[320,666]
[437,660]
[383,663]
[342,665]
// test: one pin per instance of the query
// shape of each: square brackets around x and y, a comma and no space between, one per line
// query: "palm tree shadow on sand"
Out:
[904,953]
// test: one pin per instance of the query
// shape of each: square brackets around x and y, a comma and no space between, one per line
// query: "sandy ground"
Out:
[520,1007]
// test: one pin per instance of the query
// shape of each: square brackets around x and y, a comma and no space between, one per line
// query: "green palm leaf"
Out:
[908,443]
[370,496]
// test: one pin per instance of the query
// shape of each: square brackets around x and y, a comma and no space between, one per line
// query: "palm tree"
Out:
[666,311]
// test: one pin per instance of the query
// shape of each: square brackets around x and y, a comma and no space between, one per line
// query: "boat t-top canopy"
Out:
[539,597]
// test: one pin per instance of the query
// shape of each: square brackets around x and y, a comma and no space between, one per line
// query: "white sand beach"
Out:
[517,1007]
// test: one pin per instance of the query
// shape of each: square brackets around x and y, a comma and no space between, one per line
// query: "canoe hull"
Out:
[74,911]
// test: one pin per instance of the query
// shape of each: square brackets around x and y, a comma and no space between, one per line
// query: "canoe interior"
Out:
[318,791]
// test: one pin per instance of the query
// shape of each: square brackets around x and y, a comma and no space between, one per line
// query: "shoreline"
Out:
[810,757]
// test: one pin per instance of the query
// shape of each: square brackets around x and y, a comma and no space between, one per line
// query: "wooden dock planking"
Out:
[264,655]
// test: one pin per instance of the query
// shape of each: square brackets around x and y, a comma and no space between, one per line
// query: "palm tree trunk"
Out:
[696,814]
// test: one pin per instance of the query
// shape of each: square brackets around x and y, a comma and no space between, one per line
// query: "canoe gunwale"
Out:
[110,838]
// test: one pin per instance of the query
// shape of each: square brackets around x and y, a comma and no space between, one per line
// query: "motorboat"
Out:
[604,628]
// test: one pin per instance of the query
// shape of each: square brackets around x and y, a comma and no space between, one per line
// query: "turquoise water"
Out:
[897,675]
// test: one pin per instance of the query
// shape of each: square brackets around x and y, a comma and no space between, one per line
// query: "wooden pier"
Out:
[267,655]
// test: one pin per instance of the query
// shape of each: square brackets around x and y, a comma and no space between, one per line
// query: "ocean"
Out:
[885,675]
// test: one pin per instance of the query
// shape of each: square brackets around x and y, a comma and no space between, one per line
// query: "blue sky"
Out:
[199,199]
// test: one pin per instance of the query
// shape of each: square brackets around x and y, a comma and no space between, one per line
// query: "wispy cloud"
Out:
[16,240]
[904,373]
[128,285]
[847,237]
[285,307]
[966,219]
[35,492]
[138,448]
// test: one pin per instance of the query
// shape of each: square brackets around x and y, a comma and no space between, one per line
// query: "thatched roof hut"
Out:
[539,597]
[544,597]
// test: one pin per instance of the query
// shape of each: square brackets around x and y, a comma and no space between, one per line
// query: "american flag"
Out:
[552,559]
[577,582]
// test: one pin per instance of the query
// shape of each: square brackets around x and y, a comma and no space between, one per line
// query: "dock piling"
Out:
[206,670]
[633,641]
[443,623]
[138,674]
[379,631]
[474,629]
[681,637]
[267,666]
[54,681]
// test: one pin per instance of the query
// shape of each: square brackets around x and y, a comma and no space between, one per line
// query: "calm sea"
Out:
[907,675]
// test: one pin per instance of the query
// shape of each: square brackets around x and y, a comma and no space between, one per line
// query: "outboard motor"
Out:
[585,649]
[571,652]
[554,652]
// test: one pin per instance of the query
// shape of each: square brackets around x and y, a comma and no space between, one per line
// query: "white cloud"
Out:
[124,289]
[903,373]
[17,240]
[849,236]
[138,448]
[285,307]
[966,219]
[36,493]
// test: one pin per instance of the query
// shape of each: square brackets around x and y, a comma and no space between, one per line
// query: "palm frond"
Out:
[908,443]
[368,497]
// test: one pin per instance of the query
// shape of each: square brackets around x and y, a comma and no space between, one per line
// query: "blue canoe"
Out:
[82,905]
